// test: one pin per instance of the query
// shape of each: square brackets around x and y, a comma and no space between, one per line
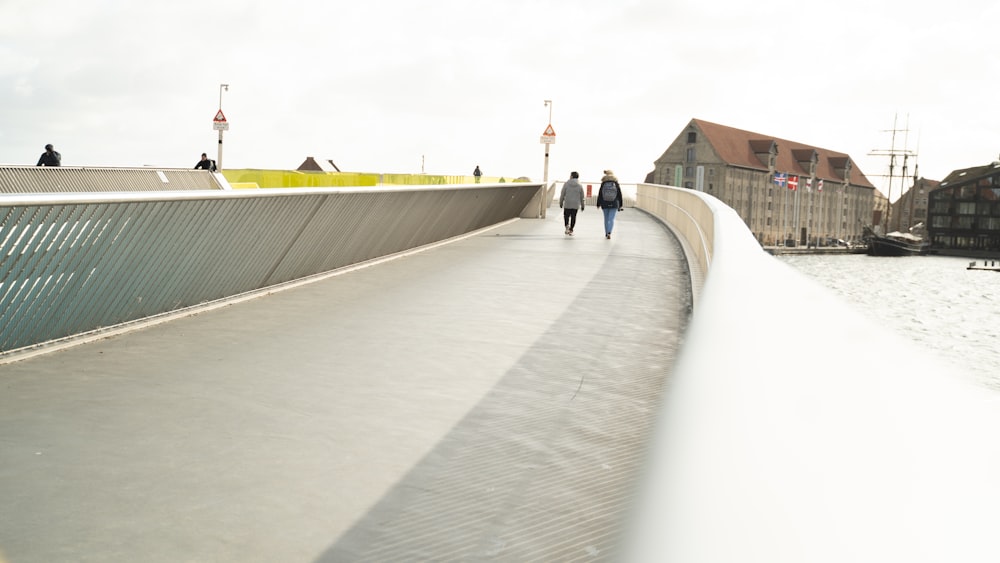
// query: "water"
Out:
[933,300]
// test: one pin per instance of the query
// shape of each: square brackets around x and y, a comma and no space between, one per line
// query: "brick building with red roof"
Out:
[753,173]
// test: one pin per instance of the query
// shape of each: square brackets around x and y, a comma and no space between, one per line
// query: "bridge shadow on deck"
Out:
[543,467]
[485,400]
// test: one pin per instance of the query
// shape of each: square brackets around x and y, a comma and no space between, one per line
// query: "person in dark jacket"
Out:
[609,199]
[50,157]
[205,163]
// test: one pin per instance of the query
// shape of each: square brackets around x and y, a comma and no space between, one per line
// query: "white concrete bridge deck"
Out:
[485,400]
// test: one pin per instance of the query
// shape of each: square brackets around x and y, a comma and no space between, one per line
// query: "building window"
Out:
[690,155]
[689,172]
[692,137]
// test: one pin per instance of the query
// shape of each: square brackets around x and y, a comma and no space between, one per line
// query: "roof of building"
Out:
[969,173]
[927,183]
[740,148]
[312,164]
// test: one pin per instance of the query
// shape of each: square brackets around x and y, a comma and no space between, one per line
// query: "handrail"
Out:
[71,263]
[691,215]
[71,179]
[795,429]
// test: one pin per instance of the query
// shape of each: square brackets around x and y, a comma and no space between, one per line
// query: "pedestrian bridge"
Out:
[440,374]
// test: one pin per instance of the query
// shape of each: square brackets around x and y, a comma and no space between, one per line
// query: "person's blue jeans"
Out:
[609,218]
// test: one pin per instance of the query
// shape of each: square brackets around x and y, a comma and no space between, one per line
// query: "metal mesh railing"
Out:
[77,263]
[68,179]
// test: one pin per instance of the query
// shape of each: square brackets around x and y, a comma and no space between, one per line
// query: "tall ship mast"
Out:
[894,243]
[894,155]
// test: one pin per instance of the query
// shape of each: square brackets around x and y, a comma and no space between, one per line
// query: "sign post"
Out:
[548,139]
[220,124]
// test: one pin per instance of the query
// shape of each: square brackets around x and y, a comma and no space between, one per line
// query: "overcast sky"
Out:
[442,86]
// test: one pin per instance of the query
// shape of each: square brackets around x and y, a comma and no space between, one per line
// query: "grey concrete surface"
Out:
[487,400]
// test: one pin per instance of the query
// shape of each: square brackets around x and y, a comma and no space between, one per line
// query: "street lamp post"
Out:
[222,125]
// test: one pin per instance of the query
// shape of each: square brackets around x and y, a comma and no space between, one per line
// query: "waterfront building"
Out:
[880,203]
[755,174]
[964,211]
[910,209]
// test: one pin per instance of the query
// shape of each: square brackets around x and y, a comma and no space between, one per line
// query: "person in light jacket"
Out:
[571,199]
[609,199]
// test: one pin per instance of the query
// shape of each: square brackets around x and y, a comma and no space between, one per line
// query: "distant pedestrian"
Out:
[571,198]
[50,157]
[609,199]
[205,163]
[477,173]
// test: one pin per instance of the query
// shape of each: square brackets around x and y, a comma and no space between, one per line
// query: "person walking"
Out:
[50,157]
[571,199]
[609,199]
[477,173]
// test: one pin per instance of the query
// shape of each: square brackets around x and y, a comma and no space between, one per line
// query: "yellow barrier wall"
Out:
[252,178]
[296,179]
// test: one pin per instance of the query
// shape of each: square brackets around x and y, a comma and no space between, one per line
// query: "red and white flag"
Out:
[793,183]
[809,184]
[819,185]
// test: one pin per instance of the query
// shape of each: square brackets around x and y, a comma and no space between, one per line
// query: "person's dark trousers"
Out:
[569,218]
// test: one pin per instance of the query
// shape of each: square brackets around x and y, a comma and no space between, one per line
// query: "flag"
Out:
[819,185]
[779,178]
[809,184]
[793,183]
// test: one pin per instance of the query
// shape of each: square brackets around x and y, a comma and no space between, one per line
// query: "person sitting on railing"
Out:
[50,157]
[205,163]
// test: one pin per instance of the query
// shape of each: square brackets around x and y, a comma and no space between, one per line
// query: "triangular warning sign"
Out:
[219,116]
[549,131]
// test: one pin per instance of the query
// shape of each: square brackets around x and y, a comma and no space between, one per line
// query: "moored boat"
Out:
[896,244]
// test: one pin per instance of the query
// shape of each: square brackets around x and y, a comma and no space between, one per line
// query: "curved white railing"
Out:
[779,442]
[691,215]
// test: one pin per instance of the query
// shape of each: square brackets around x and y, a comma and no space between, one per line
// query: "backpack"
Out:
[609,191]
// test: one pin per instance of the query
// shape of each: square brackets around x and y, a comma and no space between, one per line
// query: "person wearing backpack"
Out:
[609,199]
